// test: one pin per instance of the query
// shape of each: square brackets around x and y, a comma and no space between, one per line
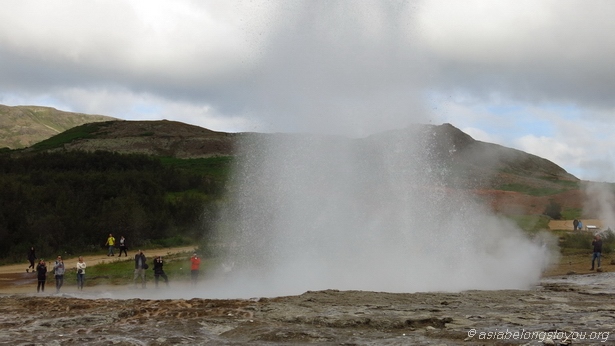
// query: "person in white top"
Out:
[80,273]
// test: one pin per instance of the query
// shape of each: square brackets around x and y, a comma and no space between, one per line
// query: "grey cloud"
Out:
[337,67]
[565,58]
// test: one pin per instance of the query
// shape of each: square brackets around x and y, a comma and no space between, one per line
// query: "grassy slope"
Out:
[23,126]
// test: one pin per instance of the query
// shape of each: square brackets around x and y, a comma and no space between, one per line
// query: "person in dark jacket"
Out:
[597,244]
[158,271]
[41,270]
[123,247]
[31,258]
[140,266]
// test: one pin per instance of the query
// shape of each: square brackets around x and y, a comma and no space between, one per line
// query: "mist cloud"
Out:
[313,212]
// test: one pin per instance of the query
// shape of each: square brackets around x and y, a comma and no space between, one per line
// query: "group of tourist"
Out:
[141,265]
[58,271]
[111,246]
[139,272]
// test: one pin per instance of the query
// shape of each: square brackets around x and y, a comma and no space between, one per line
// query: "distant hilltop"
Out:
[23,126]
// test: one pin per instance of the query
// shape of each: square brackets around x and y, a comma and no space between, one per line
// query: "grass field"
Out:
[120,271]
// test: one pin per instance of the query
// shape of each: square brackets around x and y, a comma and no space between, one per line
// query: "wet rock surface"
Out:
[582,307]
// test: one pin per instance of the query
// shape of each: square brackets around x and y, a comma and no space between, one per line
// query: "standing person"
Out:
[140,266]
[195,262]
[123,247]
[575,224]
[80,273]
[597,244]
[111,243]
[31,258]
[158,271]
[58,271]
[41,270]
[580,225]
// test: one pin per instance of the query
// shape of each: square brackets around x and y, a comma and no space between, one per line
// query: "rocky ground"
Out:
[552,310]
[580,306]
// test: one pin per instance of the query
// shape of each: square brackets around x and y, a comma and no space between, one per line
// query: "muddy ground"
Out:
[580,305]
[518,317]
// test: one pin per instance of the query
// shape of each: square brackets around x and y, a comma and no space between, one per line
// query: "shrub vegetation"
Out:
[69,202]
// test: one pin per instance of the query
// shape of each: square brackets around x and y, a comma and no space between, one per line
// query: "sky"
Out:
[532,75]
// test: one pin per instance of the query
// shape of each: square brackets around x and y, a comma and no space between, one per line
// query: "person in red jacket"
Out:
[194,268]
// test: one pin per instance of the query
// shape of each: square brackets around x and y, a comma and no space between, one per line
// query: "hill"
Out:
[157,138]
[509,181]
[23,126]
[165,180]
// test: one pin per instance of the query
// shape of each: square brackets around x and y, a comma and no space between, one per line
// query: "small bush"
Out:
[608,241]
[576,240]
[553,210]
[571,214]
[172,242]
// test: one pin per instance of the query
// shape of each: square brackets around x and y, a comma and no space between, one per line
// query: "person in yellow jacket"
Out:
[111,243]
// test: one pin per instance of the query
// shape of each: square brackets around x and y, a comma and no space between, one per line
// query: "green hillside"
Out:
[23,126]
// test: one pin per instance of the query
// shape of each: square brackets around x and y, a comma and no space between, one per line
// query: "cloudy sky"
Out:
[533,75]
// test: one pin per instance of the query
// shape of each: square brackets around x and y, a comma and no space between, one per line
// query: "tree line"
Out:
[68,202]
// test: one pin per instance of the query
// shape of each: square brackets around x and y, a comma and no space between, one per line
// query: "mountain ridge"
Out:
[509,180]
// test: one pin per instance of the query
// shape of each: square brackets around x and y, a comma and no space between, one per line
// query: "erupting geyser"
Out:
[323,212]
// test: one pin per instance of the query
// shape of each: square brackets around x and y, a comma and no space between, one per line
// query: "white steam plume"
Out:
[321,212]
[600,201]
